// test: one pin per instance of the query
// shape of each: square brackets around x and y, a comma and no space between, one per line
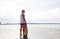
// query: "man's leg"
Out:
[21,31]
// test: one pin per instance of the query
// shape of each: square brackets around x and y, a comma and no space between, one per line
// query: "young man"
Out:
[23,24]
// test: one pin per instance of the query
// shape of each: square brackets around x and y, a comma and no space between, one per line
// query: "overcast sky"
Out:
[35,9]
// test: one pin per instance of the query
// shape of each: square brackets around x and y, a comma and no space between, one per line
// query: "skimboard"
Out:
[24,37]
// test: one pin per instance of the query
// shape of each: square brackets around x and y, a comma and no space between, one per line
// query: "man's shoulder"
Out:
[23,15]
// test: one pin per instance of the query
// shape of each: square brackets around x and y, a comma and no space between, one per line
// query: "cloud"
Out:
[50,14]
[55,13]
[35,9]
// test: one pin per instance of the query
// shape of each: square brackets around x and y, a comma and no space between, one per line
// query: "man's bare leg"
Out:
[21,31]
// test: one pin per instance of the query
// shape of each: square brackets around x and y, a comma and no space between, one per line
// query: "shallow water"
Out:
[35,31]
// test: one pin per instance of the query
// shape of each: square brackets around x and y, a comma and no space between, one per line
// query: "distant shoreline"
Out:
[27,23]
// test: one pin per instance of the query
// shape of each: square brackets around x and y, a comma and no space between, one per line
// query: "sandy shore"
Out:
[35,31]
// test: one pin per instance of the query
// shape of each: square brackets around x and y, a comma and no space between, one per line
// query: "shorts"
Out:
[23,24]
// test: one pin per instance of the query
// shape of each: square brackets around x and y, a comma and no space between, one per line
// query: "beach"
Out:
[35,31]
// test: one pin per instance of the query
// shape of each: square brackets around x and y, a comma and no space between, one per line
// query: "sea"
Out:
[35,31]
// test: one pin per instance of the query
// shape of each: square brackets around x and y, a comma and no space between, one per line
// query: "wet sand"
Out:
[35,31]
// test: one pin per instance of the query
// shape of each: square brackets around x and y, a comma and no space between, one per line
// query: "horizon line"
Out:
[27,23]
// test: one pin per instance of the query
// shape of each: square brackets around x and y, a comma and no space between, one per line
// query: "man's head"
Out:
[23,11]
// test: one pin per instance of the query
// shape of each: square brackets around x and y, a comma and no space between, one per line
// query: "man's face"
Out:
[23,11]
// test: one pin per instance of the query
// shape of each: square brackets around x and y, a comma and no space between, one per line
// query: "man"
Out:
[23,25]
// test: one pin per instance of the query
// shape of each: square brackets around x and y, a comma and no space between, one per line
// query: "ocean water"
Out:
[35,31]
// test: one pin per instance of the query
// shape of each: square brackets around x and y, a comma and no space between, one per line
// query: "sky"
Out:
[41,10]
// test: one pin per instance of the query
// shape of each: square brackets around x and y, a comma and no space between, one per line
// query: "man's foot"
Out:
[20,34]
